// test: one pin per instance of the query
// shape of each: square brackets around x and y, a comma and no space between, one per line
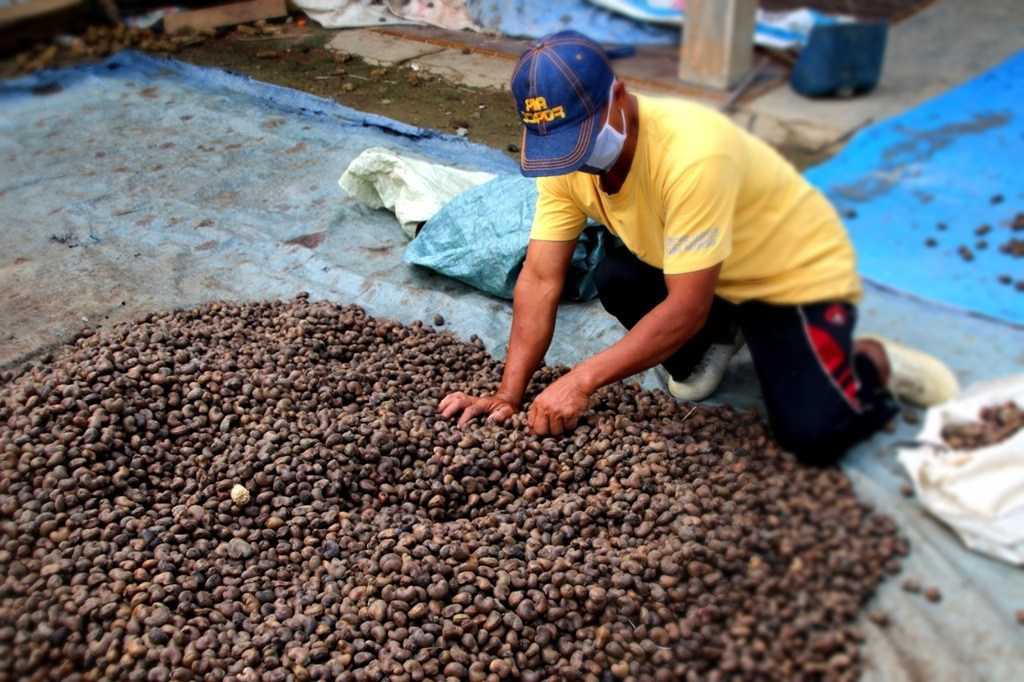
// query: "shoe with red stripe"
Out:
[917,377]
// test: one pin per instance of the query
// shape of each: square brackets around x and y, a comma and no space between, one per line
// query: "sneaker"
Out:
[707,375]
[917,377]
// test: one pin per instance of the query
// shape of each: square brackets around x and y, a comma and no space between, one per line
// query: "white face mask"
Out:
[607,146]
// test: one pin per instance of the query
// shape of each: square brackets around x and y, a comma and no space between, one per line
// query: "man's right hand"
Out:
[533,321]
[496,408]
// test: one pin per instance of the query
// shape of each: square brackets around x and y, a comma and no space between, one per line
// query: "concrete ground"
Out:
[945,44]
[475,70]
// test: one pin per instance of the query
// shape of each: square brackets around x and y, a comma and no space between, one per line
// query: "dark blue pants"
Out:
[821,397]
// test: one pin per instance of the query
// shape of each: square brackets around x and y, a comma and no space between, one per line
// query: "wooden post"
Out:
[717,49]
[225,15]
[12,14]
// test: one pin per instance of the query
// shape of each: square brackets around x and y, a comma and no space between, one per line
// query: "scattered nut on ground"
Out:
[879,618]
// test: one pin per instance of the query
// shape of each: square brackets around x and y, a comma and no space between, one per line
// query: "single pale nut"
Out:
[239,495]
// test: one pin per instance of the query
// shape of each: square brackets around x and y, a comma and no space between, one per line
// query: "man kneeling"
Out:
[718,241]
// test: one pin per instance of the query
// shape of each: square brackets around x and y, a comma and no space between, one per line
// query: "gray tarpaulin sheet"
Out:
[143,184]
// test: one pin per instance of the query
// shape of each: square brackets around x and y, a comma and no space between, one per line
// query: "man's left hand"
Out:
[558,407]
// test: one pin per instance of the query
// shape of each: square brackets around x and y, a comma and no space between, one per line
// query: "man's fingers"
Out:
[459,402]
[540,425]
[500,414]
[471,412]
[556,425]
[453,408]
[570,425]
[448,400]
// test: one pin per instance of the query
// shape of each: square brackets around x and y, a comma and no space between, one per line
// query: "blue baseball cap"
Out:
[561,84]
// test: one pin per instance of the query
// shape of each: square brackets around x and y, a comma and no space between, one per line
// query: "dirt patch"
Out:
[310,241]
[301,61]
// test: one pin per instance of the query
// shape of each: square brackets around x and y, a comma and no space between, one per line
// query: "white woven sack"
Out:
[978,493]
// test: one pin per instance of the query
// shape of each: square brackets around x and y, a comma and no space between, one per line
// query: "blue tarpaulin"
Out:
[919,187]
[143,184]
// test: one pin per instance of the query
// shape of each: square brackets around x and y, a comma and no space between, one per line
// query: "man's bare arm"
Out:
[657,335]
[534,307]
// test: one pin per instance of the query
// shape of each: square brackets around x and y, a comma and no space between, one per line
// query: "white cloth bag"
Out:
[413,189]
[978,493]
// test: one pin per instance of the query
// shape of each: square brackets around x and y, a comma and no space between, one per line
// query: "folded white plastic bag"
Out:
[978,493]
[413,189]
[450,14]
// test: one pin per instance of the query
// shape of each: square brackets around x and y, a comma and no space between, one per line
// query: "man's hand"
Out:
[497,408]
[558,407]
[533,321]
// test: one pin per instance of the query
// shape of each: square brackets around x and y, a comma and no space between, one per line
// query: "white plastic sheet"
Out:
[978,493]
[413,189]
[450,14]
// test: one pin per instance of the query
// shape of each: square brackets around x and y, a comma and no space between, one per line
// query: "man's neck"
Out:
[612,181]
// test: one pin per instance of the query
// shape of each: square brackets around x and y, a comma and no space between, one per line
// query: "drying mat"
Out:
[921,189]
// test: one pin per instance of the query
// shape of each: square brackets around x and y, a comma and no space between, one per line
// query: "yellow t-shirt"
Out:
[702,191]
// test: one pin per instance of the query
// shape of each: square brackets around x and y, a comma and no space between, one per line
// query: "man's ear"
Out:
[618,90]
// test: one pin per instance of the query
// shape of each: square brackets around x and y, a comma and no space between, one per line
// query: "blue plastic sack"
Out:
[841,58]
[480,238]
